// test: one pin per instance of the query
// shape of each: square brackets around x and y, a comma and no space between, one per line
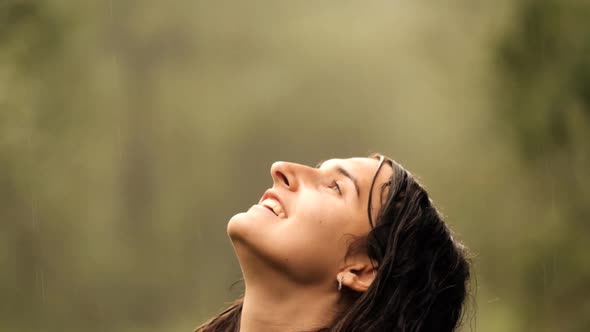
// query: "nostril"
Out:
[284,178]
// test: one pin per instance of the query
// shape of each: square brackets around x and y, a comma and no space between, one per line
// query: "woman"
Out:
[350,245]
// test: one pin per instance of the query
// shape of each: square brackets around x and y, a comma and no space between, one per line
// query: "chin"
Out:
[243,226]
[236,226]
[251,224]
[251,231]
[247,238]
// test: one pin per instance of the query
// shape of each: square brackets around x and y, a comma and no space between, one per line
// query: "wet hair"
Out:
[422,275]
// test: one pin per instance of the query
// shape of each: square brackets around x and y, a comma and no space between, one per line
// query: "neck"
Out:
[272,303]
[289,310]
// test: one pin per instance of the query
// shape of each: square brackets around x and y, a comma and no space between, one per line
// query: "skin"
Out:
[291,265]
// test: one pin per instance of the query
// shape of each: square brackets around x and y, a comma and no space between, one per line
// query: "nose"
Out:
[290,175]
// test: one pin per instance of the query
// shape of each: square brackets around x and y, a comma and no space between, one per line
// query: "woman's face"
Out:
[303,226]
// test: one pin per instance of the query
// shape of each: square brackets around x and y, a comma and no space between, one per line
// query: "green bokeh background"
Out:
[131,131]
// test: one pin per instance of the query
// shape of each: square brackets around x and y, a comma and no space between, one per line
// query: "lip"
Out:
[271,193]
[266,210]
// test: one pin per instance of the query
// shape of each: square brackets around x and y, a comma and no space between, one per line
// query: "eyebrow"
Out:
[346,173]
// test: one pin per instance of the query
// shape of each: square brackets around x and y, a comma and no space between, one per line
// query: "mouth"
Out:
[270,200]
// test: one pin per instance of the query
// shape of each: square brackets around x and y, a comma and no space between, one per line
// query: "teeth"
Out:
[274,206]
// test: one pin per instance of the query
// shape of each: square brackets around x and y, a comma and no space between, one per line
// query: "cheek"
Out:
[316,241]
[320,223]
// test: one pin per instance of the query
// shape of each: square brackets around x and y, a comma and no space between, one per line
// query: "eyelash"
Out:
[337,187]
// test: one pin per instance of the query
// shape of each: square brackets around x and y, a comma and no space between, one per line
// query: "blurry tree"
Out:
[544,63]
[131,131]
[27,30]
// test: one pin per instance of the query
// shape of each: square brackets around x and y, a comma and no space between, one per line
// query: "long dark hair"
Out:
[423,272]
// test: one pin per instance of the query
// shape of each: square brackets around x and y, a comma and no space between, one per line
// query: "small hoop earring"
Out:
[340,282]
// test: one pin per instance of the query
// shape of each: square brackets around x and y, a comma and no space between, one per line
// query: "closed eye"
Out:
[336,187]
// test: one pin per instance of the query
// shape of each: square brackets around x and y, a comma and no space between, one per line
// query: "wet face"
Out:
[302,227]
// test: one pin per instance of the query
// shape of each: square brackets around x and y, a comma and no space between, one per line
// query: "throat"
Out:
[302,309]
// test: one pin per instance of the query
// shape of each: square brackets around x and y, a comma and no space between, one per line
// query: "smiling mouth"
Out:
[274,206]
[271,210]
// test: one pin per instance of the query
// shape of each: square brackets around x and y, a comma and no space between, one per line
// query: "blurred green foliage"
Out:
[131,131]
[544,62]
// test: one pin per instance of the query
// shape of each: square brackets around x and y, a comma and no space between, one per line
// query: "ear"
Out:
[358,276]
